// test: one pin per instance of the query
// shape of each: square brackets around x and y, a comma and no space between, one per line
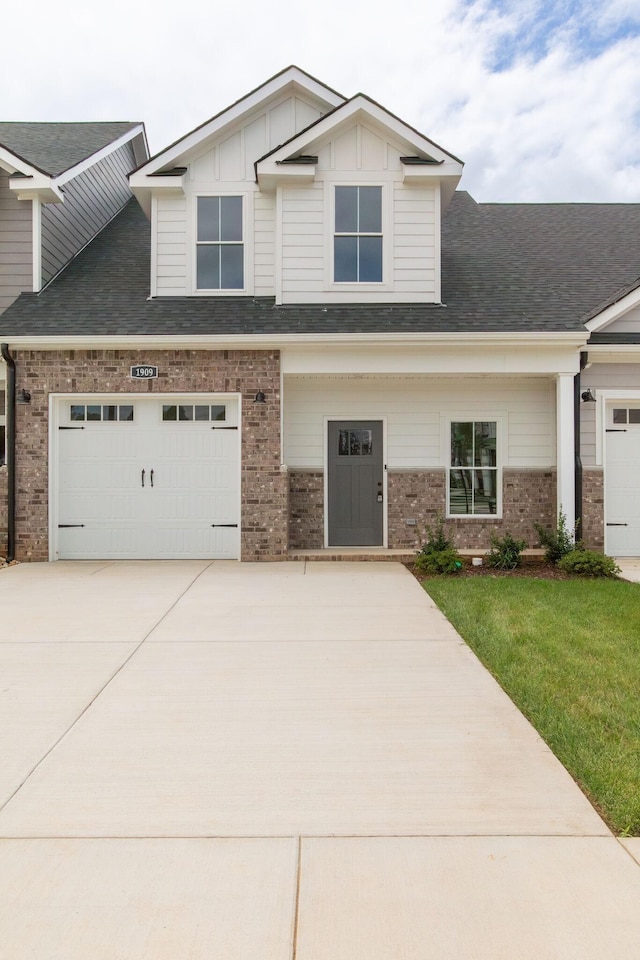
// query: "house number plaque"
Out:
[144,372]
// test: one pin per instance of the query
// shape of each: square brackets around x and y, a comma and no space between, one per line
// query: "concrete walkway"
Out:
[629,568]
[296,761]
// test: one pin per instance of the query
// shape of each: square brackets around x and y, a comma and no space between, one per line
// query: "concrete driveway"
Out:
[297,761]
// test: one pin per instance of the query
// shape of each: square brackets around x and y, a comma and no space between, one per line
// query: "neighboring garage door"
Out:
[146,478]
[622,481]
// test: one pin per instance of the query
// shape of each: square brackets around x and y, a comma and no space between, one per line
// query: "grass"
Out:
[567,652]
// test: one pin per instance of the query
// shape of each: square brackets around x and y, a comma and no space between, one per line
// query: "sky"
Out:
[539,98]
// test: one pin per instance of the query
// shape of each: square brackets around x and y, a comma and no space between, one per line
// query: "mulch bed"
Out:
[528,568]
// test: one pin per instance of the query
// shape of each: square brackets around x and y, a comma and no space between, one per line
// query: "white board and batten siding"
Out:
[410,226]
[16,250]
[417,411]
[289,234]
[227,166]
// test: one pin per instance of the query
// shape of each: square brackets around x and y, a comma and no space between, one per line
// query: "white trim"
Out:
[437,244]
[55,400]
[501,445]
[153,282]
[565,448]
[36,244]
[264,341]
[99,155]
[248,232]
[349,110]
[386,216]
[325,494]
[278,268]
[615,311]
[292,76]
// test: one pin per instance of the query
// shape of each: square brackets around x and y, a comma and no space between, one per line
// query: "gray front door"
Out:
[355,483]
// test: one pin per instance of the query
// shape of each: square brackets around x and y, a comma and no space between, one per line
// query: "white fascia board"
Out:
[564,342]
[31,184]
[615,311]
[237,110]
[99,155]
[272,174]
[39,187]
[13,164]
[350,110]
[613,352]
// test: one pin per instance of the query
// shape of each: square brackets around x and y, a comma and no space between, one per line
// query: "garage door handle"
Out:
[151,475]
[142,478]
[617,524]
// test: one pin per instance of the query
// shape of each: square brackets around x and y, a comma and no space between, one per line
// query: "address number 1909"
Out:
[143,372]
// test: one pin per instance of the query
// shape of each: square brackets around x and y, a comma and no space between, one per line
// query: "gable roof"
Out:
[289,77]
[512,268]
[53,148]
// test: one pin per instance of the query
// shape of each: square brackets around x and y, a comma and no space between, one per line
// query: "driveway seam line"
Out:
[296,912]
[100,691]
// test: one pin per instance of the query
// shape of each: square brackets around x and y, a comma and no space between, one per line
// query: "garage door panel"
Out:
[622,489]
[191,482]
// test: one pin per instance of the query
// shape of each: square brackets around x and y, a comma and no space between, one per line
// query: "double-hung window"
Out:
[357,242]
[220,246]
[473,468]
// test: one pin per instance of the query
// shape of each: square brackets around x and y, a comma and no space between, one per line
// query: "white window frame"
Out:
[499,467]
[354,286]
[247,245]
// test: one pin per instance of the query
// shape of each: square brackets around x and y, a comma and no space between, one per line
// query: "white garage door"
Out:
[622,481]
[147,478]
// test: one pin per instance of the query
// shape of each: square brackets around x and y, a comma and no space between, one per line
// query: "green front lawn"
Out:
[567,652]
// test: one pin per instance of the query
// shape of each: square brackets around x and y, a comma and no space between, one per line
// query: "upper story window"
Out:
[220,246]
[357,250]
[473,469]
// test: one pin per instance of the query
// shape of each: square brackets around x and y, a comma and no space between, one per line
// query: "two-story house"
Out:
[300,335]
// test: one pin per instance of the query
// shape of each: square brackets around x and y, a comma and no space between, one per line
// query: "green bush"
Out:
[588,563]
[439,561]
[557,543]
[505,552]
[436,539]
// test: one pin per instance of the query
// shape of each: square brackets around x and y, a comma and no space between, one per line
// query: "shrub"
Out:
[588,563]
[557,543]
[437,541]
[439,561]
[505,552]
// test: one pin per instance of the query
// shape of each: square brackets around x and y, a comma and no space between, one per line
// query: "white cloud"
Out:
[555,123]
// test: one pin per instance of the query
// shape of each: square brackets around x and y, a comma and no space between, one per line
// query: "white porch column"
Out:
[565,448]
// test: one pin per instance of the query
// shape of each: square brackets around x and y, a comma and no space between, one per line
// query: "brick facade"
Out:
[593,508]
[529,497]
[306,509]
[264,534]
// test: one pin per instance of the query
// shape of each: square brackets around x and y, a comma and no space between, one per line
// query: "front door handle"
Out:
[151,476]
[142,478]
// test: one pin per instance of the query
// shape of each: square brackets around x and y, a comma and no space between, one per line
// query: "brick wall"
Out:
[528,497]
[264,532]
[593,508]
[306,509]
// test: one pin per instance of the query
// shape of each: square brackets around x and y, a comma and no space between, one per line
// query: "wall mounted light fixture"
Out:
[23,396]
[260,397]
[588,396]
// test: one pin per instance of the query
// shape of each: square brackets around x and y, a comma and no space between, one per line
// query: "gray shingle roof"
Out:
[505,268]
[55,147]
